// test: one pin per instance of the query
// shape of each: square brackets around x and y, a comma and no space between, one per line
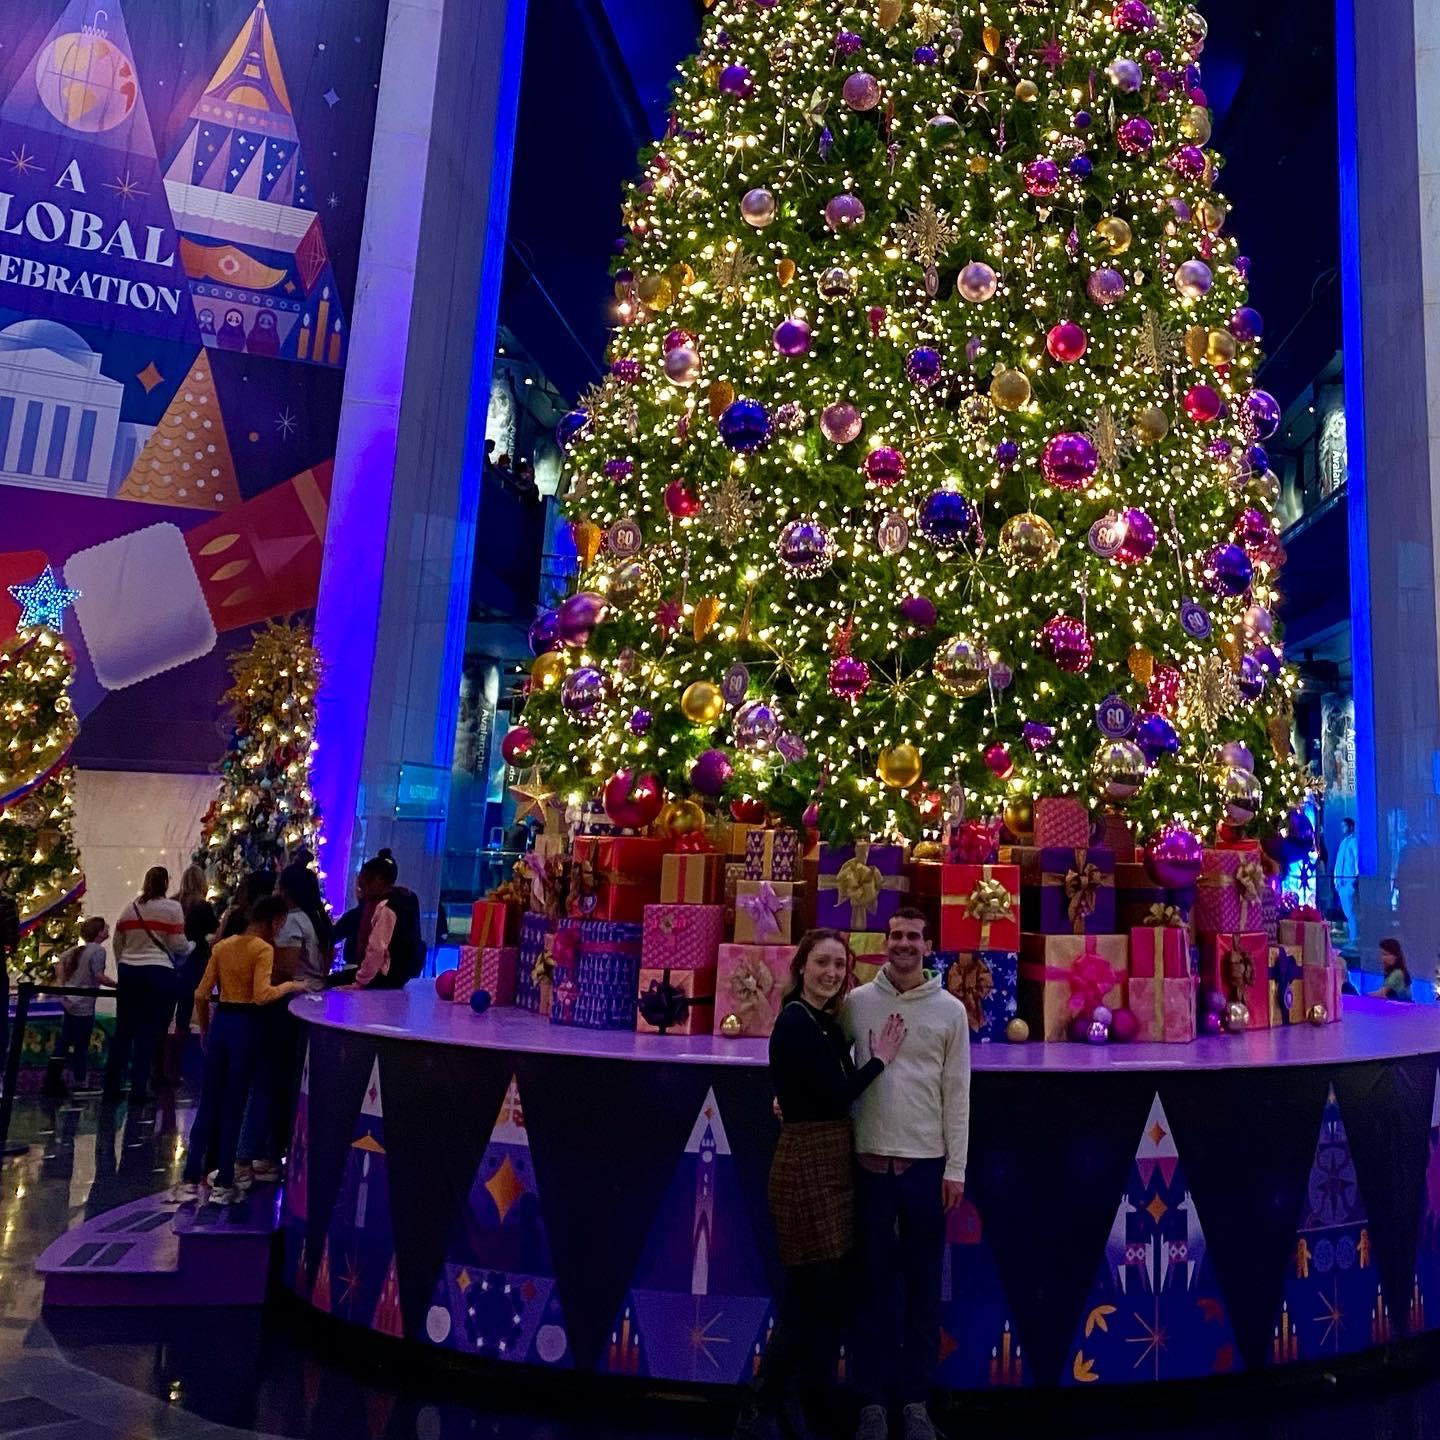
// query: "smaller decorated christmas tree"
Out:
[265,810]
[37,834]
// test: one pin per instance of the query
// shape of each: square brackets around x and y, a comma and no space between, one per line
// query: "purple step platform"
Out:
[155,1252]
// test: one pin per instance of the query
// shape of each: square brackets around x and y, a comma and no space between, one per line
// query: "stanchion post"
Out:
[23,993]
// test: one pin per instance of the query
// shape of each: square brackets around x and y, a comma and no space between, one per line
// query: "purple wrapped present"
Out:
[859,886]
[1065,891]
[597,972]
[772,854]
[534,965]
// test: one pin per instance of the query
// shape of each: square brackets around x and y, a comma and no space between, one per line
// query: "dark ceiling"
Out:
[595,88]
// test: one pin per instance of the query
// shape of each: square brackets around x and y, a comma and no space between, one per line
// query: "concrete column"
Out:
[395,586]
[1388,54]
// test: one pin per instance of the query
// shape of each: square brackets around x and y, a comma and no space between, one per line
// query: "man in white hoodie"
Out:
[912,1131]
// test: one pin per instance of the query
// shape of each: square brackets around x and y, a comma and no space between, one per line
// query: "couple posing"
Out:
[872,1084]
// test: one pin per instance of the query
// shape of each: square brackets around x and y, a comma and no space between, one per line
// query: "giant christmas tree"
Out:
[929,426]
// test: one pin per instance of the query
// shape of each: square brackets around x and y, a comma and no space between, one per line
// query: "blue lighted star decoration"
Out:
[43,601]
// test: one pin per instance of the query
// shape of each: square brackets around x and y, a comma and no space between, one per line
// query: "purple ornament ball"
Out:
[737,81]
[922,365]
[1262,411]
[1105,286]
[711,772]
[848,43]
[1042,177]
[1173,857]
[884,467]
[926,55]
[1098,1033]
[578,616]
[1081,167]
[544,632]
[849,677]
[1079,1029]
[844,212]
[919,611]
[1211,1023]
[861,91]
[840,423]
[1069,460]
[946,518]
[1068,643]
[1251,679]
[1156,737]
[792,337]
[480,1001]
[1133,16]
[1140,538]
[1228,570]
[1135,135]
[640,722]
[1246,324]
[1007,452]
[571,424]
[745,425]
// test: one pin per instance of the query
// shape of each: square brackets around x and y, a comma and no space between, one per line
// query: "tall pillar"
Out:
[395,586]
[1388,58]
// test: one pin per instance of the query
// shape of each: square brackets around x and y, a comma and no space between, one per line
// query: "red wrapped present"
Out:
[979,907]
[1321,985]
[1238,966]
[682,937]
[1307,940]
[868,949]
[1112,832]
[1162,985]
[765,911]
[626,875]
[691,878]
[1061,820]
[1229,892]
[772,854]
[676,1002]
[1062,976]
[1140,901]
[751,981]
[493,923]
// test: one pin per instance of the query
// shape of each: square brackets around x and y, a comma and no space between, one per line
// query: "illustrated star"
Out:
[1332,1316]
[531,791]
[126,187]
[22,162]
[149,377]
[331,98]
[704,1335]
[1151,1338]
[285,423]
[333,200]
[43,602]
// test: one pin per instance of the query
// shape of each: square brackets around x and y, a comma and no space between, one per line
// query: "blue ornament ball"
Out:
[480,1001]
[1081,167]
[571,424]
[922,365]
[745,425]
[1156,737]
[946,518]
[1228,570]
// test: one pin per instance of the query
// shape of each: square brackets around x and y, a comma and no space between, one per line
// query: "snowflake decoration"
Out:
[1052,54]
[1211,694]
[930,21]
[1111,443]
[1160,345]
[731,271]
[926,233]
[731,509]
[600,396]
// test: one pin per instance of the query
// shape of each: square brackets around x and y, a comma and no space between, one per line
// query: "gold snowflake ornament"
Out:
[731,271]
[732,507]
[930,21]
[1111,443]
[1211,694]
[926,233]
[1160,346]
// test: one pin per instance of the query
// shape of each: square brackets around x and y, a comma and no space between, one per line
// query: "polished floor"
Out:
[104,1375]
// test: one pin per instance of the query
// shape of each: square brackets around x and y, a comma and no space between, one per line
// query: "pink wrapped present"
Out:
[751,980]
[1162,988]
[1064,975]
[1238,966]
[682,937]
[1061,820]
[1320,985]
[1229,894]
[465,983]
[487,967]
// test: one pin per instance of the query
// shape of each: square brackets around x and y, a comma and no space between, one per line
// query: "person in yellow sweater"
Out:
[239,969]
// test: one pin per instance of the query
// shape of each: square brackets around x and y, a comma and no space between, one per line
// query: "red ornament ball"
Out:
[517,744]
[997,758]
[1162,694]
[445,985]
[1067,642]
[632,801]
[1066,342]
[747,811]
[680,501]
[885,467]
[1202,404]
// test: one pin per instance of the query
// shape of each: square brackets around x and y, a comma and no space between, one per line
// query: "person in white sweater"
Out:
[912,1135]
[149,938]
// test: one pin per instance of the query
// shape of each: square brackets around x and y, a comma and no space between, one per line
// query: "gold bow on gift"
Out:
[544,966]
[988,902]
[1240,972]
[1082,886]
[1164,916]
[751,985]
[1250,881]
[970,981]
[858,884]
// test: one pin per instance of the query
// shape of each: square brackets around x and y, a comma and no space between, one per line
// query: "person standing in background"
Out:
[81,967]
[202,925]
[381,933]
[1346,875]
[9,944]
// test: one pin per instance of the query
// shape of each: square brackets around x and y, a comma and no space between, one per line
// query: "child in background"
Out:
[1397,973]
[83,967]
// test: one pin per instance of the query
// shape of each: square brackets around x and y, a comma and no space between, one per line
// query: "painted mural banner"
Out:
[182,187]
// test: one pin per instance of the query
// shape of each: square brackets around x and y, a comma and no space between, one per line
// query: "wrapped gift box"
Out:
[676,1002]
[1140,901]
[1228,894]
[535,963]
[1162,983]
[979,907]
[987,983]
[1270,909]
[734,874]
[597,974]
[737,838]
[465,984]
[1238,966]
[626,875]
[765,911]
[1321,985]
[494,923]
[1063,975]
[1113,833]
[551,846]
[750,982]
[1061,821]
[1307,940]
[1287,990]
[692,878]
[868,948]
[682,937]
[772,854]
[859,886]
[490,967]
[1067,891]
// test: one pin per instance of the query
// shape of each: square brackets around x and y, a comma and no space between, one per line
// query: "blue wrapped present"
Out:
[531,972]
[987,983]
[597,974]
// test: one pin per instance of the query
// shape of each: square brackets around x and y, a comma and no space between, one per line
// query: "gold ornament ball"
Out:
[1114,233]
[1195,125]
[682,277]
[784,270]
[927,850]
[1197,339]
[1220,347]
[1117,769]
[1027,92]
[631,583]
[1318,1014]
[1010,390]
[731,1026]
[1019,815]
[1017,1032]
[680,817]
[656,291]
[888,12]
[1140,663]
[962,667]
[721,396]
[702,703]
[1211,215]
[899,766]
[1237,1017]
[549,669]
[978,165]
[1152,425]
[1027,540]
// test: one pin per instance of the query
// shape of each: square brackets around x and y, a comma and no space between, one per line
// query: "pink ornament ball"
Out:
[678,339]
[840,423]
[1066,342]
[849,677]
[445,985]
[1140,538]
[1124,1027]
[1069,460]
[517,744]
[885,467]
[632,801]
[1135,135]
[1189,161]
[998,762]
[1202,404]
[1067,642]
[844,212]
[1042,177]
[861,91]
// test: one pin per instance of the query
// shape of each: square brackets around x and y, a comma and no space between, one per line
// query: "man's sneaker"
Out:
[266,1172]
[184,1192]
[244,1176]
[874,1424]
[918,1425]
[233,1195]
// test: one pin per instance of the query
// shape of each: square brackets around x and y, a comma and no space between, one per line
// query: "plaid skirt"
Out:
[812,1191]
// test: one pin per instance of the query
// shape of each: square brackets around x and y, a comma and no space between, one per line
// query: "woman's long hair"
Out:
[157,882]
[303,887]
[808,941]
[1393,949]
[193,888]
